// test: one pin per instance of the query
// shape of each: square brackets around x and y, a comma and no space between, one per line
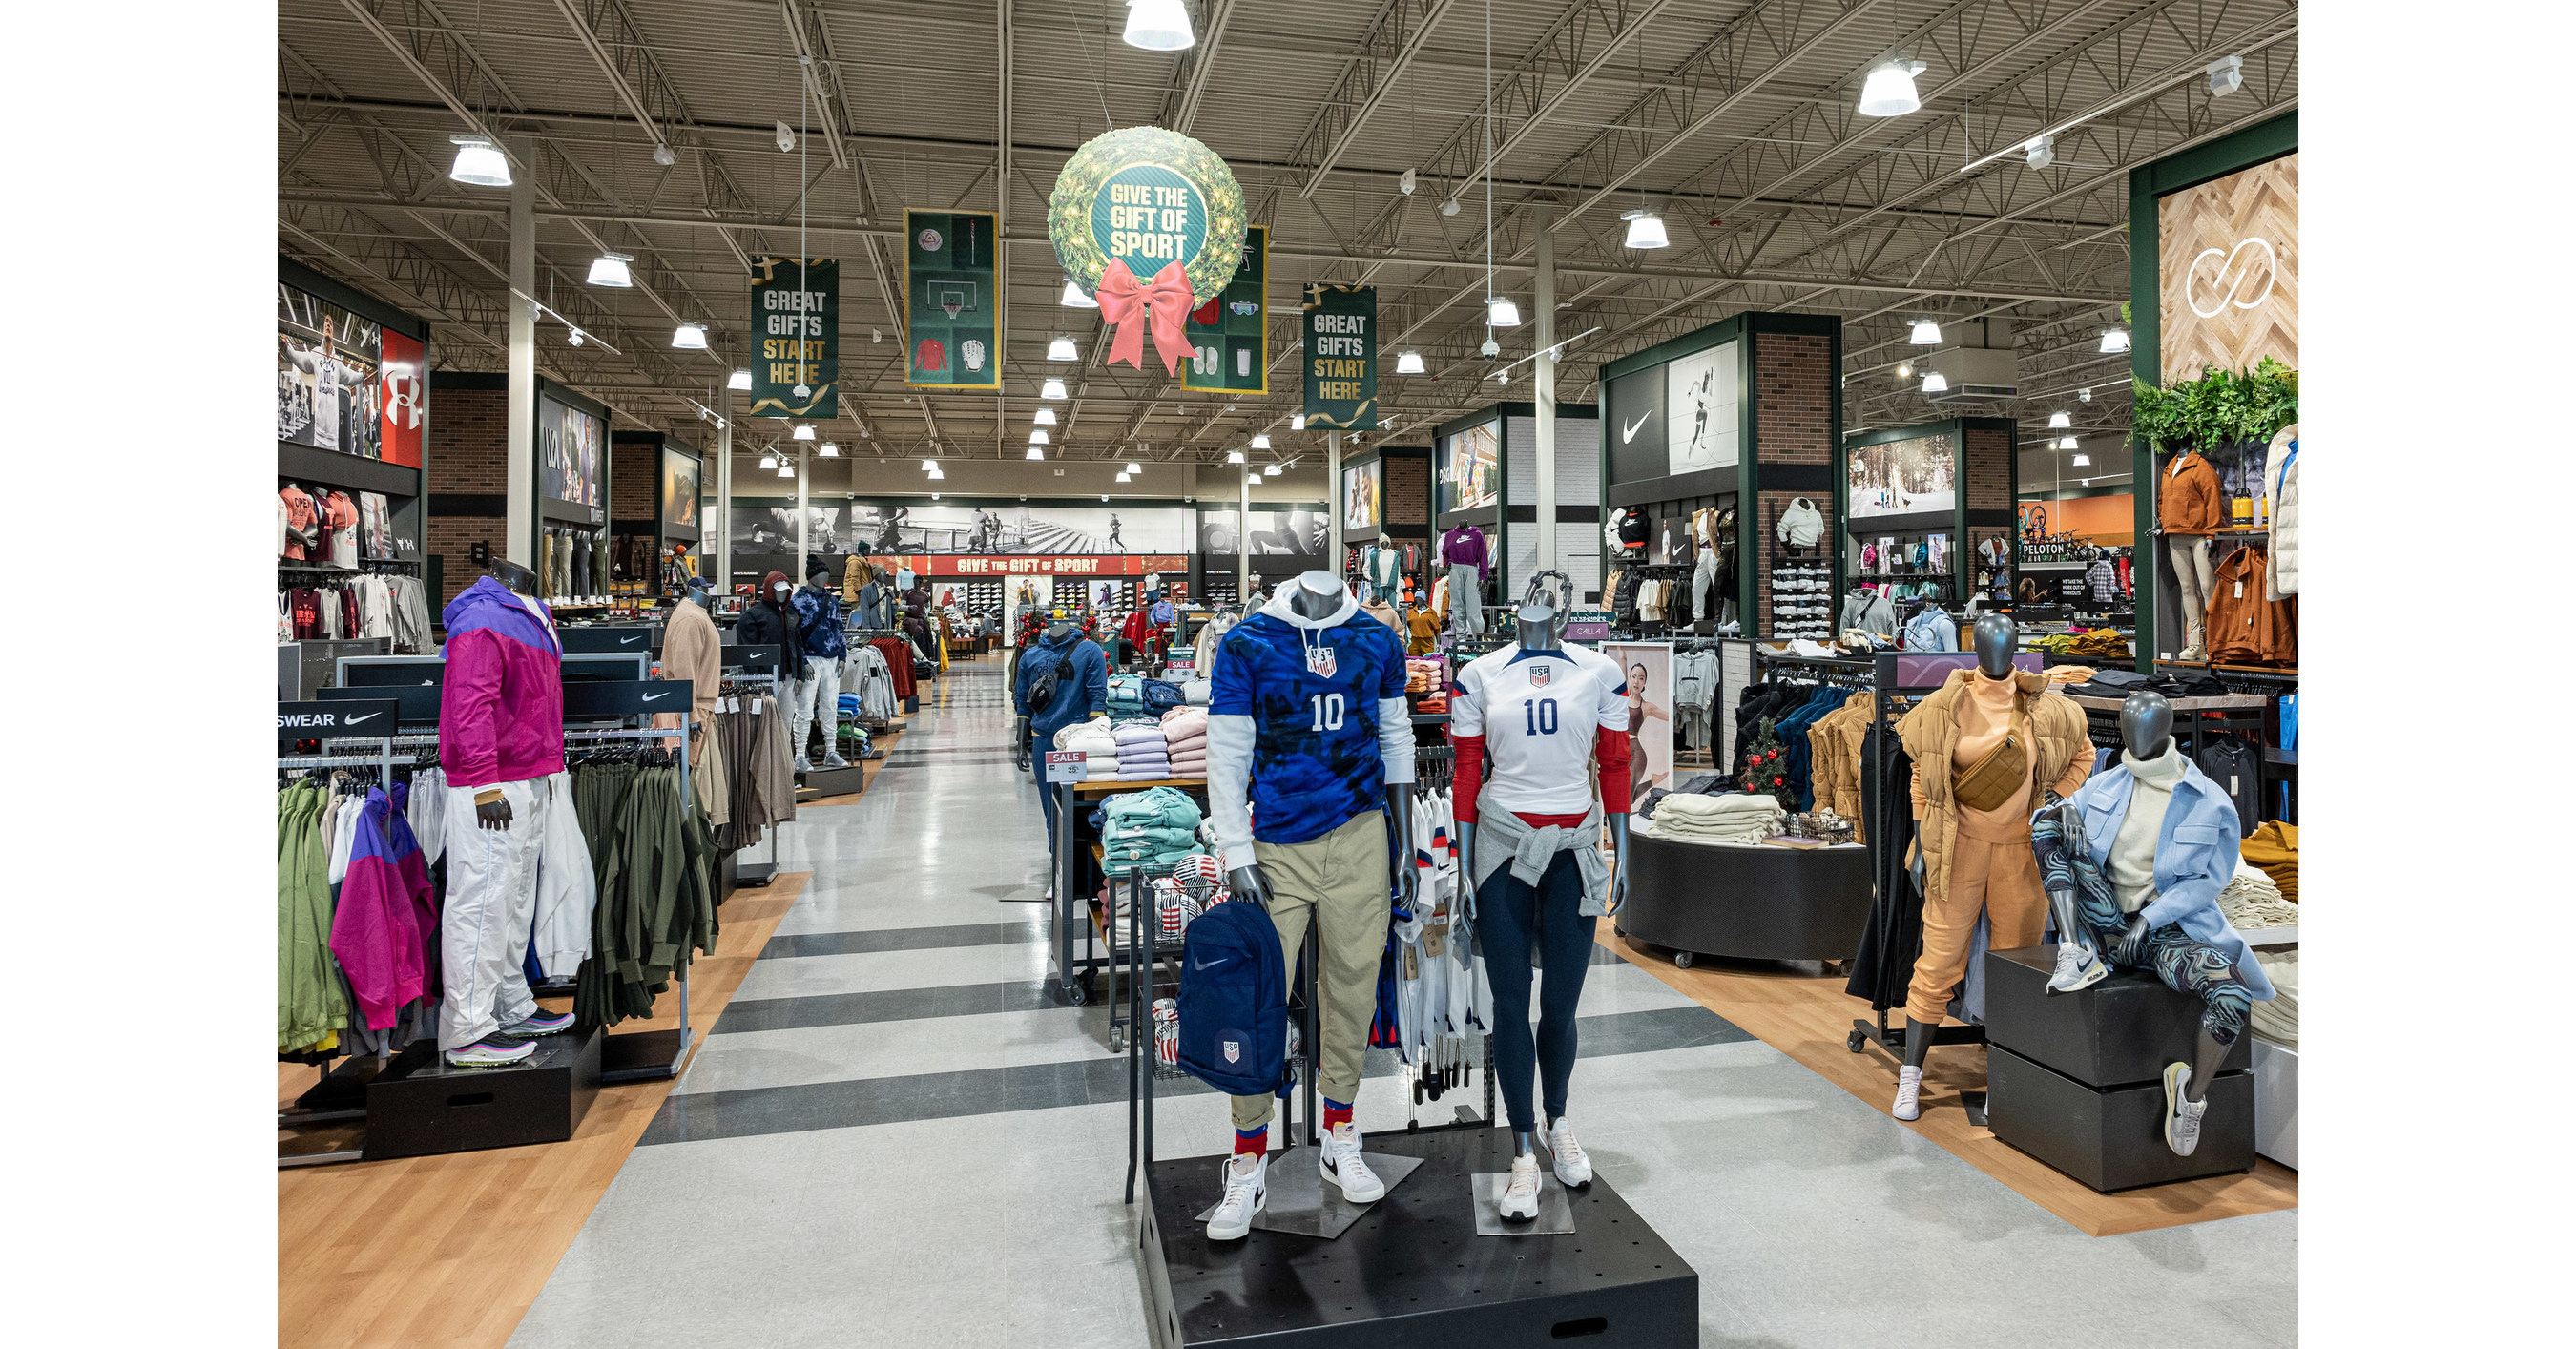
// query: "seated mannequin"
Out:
[2133,863]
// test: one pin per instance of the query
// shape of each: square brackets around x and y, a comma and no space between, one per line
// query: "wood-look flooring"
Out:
[452,1250]
[1808,1018]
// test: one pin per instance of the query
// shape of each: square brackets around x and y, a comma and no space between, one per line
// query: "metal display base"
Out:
[1301,1204]
[1555,1210]
[643,1055]
[1411,1273]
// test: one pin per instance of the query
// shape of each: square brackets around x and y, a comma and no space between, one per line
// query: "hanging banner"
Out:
[952,317]
[1150,223]
[796,319]
[1230,335]
[1341,357]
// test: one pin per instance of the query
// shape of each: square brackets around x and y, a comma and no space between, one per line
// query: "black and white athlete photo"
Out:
[1700,400]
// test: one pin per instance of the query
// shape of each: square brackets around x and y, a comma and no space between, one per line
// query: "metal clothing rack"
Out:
[638,1058]
[322,1104]
[760,873]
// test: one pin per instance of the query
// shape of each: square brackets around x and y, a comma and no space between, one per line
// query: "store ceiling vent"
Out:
[1981,368]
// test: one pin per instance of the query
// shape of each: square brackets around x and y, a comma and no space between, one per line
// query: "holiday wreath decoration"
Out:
[1150,223]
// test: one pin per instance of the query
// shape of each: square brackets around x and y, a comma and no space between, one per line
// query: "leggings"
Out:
[2185,963]
[1509,913]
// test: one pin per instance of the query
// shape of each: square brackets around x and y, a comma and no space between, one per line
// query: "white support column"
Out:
[520,487]
[721,527]
[1333,498]
[1543,381]
[1243,541]
[804,517]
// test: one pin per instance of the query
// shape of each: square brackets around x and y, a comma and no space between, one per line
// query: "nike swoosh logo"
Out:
[655,697]
[352,721]
[1629,433]
[628,641]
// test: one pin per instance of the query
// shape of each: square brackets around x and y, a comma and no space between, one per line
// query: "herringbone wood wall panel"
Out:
[2221,247]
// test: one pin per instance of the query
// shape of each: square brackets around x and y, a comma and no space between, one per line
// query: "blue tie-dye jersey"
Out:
[1312,694]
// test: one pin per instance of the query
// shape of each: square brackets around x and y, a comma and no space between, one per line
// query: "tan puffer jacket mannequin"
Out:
[1931,731]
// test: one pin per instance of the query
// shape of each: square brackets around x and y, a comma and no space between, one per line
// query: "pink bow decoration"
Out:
[1163,301]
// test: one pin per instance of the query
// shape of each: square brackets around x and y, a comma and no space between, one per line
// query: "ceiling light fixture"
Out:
[1061,349]
[741,379]
[2066,442]
[1890,90]
[1936,382]
[2083,461]
[1270,470]
[2084,395]
[769,459]
[1297,422]
[805,432]
[1234,456]
[929,464]
[2115,340]
[609,269]
[1158,25]
[1053,388]
[1926,333]
[1261,440]
[2226,76]
[2042,152]
[1045,417]
[1252,480]
[829,450]
[690,337]
[1034,453]
[662,155]
[2058,421]
[479,161]
[1904,371]
[1449,206]
[1405,181]
[934,496]
[785,469]
[1408,362]
[1038,438]
[1501,312]
[1073,298]
[936,475]
[1134,467]
[1122,475]
[1645,230]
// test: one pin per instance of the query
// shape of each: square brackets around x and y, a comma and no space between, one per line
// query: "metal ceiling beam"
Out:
[1401,29]
[1190,74]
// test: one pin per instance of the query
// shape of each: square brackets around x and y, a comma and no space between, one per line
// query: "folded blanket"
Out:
[1737,803]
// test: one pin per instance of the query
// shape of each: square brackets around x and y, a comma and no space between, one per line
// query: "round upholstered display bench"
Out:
[1747,902]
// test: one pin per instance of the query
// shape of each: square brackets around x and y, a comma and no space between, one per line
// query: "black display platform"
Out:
[1747,903]
[2114,1140]
[419,1105]
[833,781]
[2120,1032]
[1411,1273]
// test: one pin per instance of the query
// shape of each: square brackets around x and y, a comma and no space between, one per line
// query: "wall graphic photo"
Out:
[1700,403]
[1901,477]
[1471,467]
[895,526]
[1648,669]
[1277,531]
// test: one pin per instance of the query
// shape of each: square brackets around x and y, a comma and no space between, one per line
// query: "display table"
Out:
[1748,902]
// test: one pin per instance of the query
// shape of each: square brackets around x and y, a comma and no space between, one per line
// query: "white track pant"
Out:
[491,908]
[817,697]
[1464,598]
[2194,581]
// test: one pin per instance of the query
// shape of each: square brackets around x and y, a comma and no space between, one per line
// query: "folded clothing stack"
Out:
[1127,696]
[1185,741]
[1094,739]
[1154,830]
[1141,756]
[1425,674]
[1196,692]
[2277,1019]
[2252,902]
[1742,817]
[2275,848]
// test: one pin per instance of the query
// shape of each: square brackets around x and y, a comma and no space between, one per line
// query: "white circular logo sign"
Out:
[929,241]
[2230,284]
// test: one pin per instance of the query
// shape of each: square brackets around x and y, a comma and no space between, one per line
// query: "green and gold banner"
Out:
[1150,223]
[1230,335]
[952,320]
[1341,357]
[796,322]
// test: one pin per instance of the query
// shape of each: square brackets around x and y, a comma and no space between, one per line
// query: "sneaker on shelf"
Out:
[1909,1093]
[492,1051]
[1519,1203]
[1344,1166]
[1573,1168]
[538,1022]
[2077,968]
[1247,1189]
[833,759]
[2182,1118]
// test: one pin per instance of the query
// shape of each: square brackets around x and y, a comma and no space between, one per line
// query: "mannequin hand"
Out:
[1249,883]
[2132,949]
[492,814]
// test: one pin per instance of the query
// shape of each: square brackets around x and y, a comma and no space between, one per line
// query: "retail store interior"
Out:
[1433,672]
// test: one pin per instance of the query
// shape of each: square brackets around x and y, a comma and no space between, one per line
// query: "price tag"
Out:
[1065,765]
[2240,591]
[1180,662]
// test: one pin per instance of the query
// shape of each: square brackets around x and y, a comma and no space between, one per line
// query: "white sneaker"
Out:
[2077,968]
[1520,1194]
[1246,1190]
[1909,1092]
[2182,1118]
[1573,1169]
[1343,1165]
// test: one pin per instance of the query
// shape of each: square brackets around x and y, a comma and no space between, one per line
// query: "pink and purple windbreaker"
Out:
[385,927]
[500,716]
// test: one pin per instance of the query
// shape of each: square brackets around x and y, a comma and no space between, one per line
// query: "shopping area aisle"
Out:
[895,1134]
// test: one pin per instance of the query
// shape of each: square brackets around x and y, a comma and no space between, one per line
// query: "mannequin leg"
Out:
[491,902]
[1341,879]
[2189,966]
[2193,579]
[1565,940]
[1506,910]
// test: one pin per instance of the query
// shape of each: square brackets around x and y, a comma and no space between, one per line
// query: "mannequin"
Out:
[693,650]
[2189,506]
[500,736]
[1310,757]
[2011,742]
[1540,798]
[1081,671]
[817,694]
[2133,862]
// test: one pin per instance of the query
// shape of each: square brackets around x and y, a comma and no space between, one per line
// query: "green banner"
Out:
[1230,335]
[796,320]
[952,326]
[1341,357]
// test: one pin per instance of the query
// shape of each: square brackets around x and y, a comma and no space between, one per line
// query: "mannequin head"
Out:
[2146,724]
[818,574]
[1539,623]
[1316,594]
[1996,639]
[516,579]
[774,587]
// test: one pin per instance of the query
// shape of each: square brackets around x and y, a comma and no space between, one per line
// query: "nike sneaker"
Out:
[492,1051]
[2077,968]
[2182,1118]
[1909,1093]
[1573,1168]
[1519,1203]
[1247,1189]
[538,1022]
[1343,1165]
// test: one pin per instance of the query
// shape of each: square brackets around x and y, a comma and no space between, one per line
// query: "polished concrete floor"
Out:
[894,1135]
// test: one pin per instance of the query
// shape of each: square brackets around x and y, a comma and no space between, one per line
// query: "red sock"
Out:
[1255,1141]
[1335,1116]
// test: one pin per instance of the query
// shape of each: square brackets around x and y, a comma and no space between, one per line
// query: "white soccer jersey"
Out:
[1539,712]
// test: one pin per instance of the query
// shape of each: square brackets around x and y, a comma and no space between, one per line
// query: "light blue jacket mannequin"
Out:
[2196,855]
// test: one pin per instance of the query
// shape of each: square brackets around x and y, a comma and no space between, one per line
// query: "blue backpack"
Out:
[1234,1001]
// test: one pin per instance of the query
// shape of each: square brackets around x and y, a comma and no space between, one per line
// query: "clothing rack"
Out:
[328,1102]
[759,873]
[640,1058]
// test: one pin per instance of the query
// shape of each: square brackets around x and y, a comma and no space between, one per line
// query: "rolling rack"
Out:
[651,1055]
[738,663]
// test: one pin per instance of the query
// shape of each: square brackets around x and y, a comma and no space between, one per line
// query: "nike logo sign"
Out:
[352,721]
[1629,432]
[628,641]
[655,697]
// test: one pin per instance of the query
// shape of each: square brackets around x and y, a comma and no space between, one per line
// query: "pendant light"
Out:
[1053,388]
[1134,467]
[1158,25]
[1252,480]
[935,474]
[689,337]
[1073,298]
[1926,333]
[2059,421]
[785,469]
[1297,422]
[1034,453]
[1904,370]
[479,161]
[769,459]
[1270,470]
[1500,312]
[1038,438]
[2066,443]
[829,450]
[1645,230]
[609,269]
[1261,440]
[741,380]
[1045,417]
[1122,475]
[2083,461]
[1936,382]
[1061,349]
[1890,90]
[1234,456]
[804,432]
[1408,362]
[2115,340]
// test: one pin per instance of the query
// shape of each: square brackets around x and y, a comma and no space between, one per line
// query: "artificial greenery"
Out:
[1078,185]
[2221,407]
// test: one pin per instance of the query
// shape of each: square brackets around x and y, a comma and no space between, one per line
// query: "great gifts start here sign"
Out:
[1341,356]
[796,326]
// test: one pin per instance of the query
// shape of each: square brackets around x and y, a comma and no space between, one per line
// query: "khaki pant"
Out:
[1343,876]
[2000,878]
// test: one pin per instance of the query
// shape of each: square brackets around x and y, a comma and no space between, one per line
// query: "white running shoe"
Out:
[2182,1118]
[1344,1166]
[2077,968]
[1246,1190]
[1909,1093]
[1520,1194]
[1573,1168]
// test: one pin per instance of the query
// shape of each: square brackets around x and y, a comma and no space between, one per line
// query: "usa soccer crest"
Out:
[1539,675]
[1233,1051]
[1321,660]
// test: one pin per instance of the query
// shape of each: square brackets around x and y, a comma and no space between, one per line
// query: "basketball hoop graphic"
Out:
[953,297]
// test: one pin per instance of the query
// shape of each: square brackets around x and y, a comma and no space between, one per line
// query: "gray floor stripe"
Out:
[903,939]
[689,1118]
[901,1004]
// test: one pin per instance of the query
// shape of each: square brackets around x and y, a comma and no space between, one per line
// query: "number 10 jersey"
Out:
[1539,713]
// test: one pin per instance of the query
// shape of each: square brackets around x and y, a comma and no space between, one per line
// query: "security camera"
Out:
[1449,207]
[786,138]
[1491,348]
[1405,183]
[662,155]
